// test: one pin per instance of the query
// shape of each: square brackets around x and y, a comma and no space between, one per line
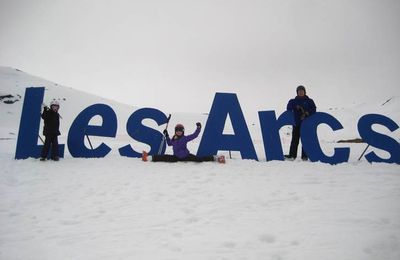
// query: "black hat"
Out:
[300,88]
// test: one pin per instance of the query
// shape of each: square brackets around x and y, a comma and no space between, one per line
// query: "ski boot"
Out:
[221,159]
[289,158]
[144,156]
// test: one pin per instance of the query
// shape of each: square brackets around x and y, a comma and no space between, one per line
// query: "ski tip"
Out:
[145,156]
[221,159]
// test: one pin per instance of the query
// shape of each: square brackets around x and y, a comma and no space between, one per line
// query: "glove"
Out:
[304,115]
[45,108]
[300,108]
[165,132]
[198,125]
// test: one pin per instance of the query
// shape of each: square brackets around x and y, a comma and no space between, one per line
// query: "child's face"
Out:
[179,130]
[55,108]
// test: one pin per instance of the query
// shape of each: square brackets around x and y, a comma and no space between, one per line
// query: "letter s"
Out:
[378,140]
[142,133]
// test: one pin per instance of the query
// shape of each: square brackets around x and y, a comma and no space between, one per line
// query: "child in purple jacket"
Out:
[179,146]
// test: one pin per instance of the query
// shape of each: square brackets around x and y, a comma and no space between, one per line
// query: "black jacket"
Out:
[51,122]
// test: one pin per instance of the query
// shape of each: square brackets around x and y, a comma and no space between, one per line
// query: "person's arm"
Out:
[167,137]
[195,134]
[290,105]
[45,113]
[313,107]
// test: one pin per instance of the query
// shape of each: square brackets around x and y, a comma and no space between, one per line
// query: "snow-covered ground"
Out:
[122,208]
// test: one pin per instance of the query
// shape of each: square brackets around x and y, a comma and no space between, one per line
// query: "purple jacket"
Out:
[179,145]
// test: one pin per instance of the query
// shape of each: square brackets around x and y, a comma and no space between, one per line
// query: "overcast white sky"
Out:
[174,55]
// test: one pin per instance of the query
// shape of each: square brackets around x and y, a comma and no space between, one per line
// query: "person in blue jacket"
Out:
[302,106]
[179,146]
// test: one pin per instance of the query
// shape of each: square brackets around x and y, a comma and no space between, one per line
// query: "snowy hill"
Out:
[123,208]
[13,83]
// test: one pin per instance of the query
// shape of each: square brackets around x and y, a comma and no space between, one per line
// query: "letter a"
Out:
[214,140]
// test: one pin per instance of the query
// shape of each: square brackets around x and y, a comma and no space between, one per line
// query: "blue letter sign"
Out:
[80,128]
[213,138]
[379,140]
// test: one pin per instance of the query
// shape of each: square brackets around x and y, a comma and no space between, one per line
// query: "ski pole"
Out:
[90,143]
[91,146]
[41,139]
[363,152]
[163,137]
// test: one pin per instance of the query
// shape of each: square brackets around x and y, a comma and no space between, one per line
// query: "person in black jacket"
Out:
[51,130]
[302,106]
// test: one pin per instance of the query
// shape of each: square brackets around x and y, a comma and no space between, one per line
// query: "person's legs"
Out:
[54,148]
[208,158]
[304,155]
[295,141]
[191,158]
[45,148]
[194,158]
[164,158]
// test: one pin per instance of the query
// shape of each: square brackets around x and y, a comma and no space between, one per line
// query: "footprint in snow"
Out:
[267,238]
[229,244]
[192,220]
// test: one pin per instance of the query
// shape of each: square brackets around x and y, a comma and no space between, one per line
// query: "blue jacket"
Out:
[302,108]
[179,144]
